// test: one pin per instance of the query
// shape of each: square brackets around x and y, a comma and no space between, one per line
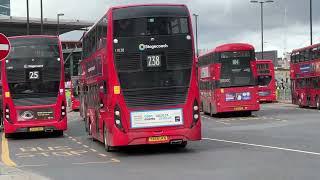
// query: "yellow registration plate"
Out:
[238,108]
[158,139]
[36,129]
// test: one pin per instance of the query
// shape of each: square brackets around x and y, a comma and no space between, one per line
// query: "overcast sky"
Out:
[220,21]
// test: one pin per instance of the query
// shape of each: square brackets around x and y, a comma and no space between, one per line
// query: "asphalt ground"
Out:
[279,142]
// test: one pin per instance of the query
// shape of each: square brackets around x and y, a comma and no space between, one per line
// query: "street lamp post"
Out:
[41,9]
[261,5]
[196,23]
[58,23]
[28,23]
[311,31]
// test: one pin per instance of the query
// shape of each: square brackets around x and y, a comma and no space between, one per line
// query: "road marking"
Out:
[74,139]
[93,150]
[79,142]
[263,146]
[98,162]
[222,122]
[5,153]
[115,160]
[85,146]
[103,155]
[33,165]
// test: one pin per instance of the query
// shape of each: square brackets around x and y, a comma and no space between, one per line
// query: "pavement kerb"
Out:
[12,173]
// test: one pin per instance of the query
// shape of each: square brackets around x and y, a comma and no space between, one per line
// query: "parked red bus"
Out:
[140,77]
[75,102]
[228,80]
[33,86]
[305,76]
[266,81]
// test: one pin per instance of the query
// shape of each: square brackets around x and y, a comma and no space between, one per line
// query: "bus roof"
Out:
[127,6]
[231,47]
[305,48]
[135,5]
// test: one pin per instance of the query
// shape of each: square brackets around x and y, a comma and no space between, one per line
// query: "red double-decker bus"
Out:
[228,80]
[33,86]
[305,76]
[75,102]
[266,81]
[140,77]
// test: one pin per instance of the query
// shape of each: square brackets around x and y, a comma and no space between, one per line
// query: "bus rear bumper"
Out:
[172,135]
[239,108]
[47,126]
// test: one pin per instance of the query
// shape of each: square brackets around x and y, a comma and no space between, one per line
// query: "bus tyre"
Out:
[183,145]
[8,135]
[318,102]
[105,140]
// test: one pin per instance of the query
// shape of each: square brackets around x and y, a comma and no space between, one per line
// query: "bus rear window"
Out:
[151,26]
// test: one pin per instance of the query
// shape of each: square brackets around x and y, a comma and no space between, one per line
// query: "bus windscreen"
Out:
[33,68]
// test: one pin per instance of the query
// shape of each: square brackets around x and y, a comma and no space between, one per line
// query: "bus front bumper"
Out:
[35,126]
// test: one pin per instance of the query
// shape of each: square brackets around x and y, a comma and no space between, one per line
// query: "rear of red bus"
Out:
[233,87]
[75,102]
[155,95]
[266,81]
[33,86]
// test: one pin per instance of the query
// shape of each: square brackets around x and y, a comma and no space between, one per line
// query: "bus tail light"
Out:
[196,113]
[63,111]
[117,118]
[7,114]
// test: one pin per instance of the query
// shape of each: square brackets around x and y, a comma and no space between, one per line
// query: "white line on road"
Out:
[103,155]
[263,146]
[93,150]
[102,162]
[85,146]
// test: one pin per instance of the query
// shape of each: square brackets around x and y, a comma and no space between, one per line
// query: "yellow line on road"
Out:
[5,153]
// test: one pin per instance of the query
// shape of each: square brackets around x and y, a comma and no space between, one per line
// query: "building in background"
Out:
[5,7]
[285,61]
[272,55]
[72,53]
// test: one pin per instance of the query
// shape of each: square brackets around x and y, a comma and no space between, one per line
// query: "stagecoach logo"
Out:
[26,66]
[27,115]
[143,47]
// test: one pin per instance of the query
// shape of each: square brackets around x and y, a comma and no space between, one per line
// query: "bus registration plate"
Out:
[238,108]
[158,139]
[36,129]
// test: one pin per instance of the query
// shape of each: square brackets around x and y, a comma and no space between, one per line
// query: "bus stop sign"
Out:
[4,46]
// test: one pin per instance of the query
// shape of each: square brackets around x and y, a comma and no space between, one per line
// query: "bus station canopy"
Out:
[17,26]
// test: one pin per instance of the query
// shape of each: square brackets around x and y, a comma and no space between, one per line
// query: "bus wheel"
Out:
[183,145]
[318,103]
[8,135]
[105,141]
[300,103]
[90,128]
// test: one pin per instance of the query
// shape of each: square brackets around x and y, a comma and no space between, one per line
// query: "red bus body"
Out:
[131,81]
[222,86]
[266,81]
[305,76]
[33,86]
[75,102]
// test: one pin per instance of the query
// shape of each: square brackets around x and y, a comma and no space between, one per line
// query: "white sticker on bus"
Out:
[159,118]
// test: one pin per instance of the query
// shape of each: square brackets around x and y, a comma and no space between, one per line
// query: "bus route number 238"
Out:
[154,61]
